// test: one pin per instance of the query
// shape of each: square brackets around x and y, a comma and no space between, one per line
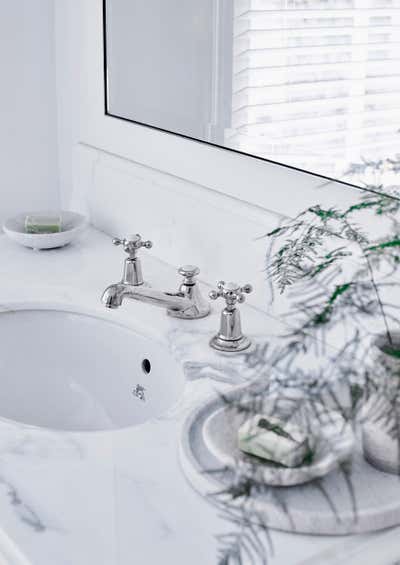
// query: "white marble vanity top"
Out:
[120,498]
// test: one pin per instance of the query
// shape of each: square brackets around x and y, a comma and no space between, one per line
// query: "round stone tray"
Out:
[361,499]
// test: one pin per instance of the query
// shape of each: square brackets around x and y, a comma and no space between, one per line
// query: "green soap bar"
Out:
[274,440]
[43,224]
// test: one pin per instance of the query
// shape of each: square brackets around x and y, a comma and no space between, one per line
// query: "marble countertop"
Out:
[117,498]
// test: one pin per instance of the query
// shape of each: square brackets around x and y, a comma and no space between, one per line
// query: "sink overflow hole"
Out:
[146,366]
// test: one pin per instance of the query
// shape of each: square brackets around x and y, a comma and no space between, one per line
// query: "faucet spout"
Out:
[114,295]
[187,303]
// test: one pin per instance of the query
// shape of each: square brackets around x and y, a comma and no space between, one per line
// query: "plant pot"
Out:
[381,412]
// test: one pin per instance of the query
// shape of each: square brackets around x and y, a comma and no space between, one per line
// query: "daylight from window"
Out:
[316,83]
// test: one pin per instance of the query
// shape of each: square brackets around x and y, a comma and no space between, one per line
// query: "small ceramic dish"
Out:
[73,225]
[331,438]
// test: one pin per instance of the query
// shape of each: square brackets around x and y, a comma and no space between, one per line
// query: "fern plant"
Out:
[341,281]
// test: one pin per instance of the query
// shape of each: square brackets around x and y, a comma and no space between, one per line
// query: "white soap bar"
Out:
[270,438]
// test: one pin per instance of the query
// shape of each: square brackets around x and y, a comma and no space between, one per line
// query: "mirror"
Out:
[311,84]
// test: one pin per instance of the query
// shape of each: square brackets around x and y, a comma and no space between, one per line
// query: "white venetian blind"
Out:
[316,83]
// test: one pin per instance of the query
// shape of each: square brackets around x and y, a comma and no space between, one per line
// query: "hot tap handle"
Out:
[231,292]
[132,243]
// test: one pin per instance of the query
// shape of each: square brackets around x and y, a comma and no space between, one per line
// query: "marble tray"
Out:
[361,499]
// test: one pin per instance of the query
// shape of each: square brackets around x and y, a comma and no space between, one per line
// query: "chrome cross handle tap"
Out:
[230,337]
[132,266]
[132,243]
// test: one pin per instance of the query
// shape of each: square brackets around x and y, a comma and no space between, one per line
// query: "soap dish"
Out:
[331,437]
[332,444]
[72,226]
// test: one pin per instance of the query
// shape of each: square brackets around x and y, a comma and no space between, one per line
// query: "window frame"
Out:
[263,183]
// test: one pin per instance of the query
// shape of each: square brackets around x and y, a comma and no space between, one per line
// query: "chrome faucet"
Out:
[132,265]
[186,303]
[229,337]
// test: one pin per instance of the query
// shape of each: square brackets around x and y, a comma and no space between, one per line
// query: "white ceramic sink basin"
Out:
[70,371]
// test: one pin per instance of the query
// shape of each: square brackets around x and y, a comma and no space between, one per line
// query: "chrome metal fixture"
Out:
[190,289]
[139,391]
[132,265]
[187,303]
[230,337]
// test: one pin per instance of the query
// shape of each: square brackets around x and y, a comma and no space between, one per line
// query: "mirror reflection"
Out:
[313,84]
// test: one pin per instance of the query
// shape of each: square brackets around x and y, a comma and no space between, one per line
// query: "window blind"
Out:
[316,83]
